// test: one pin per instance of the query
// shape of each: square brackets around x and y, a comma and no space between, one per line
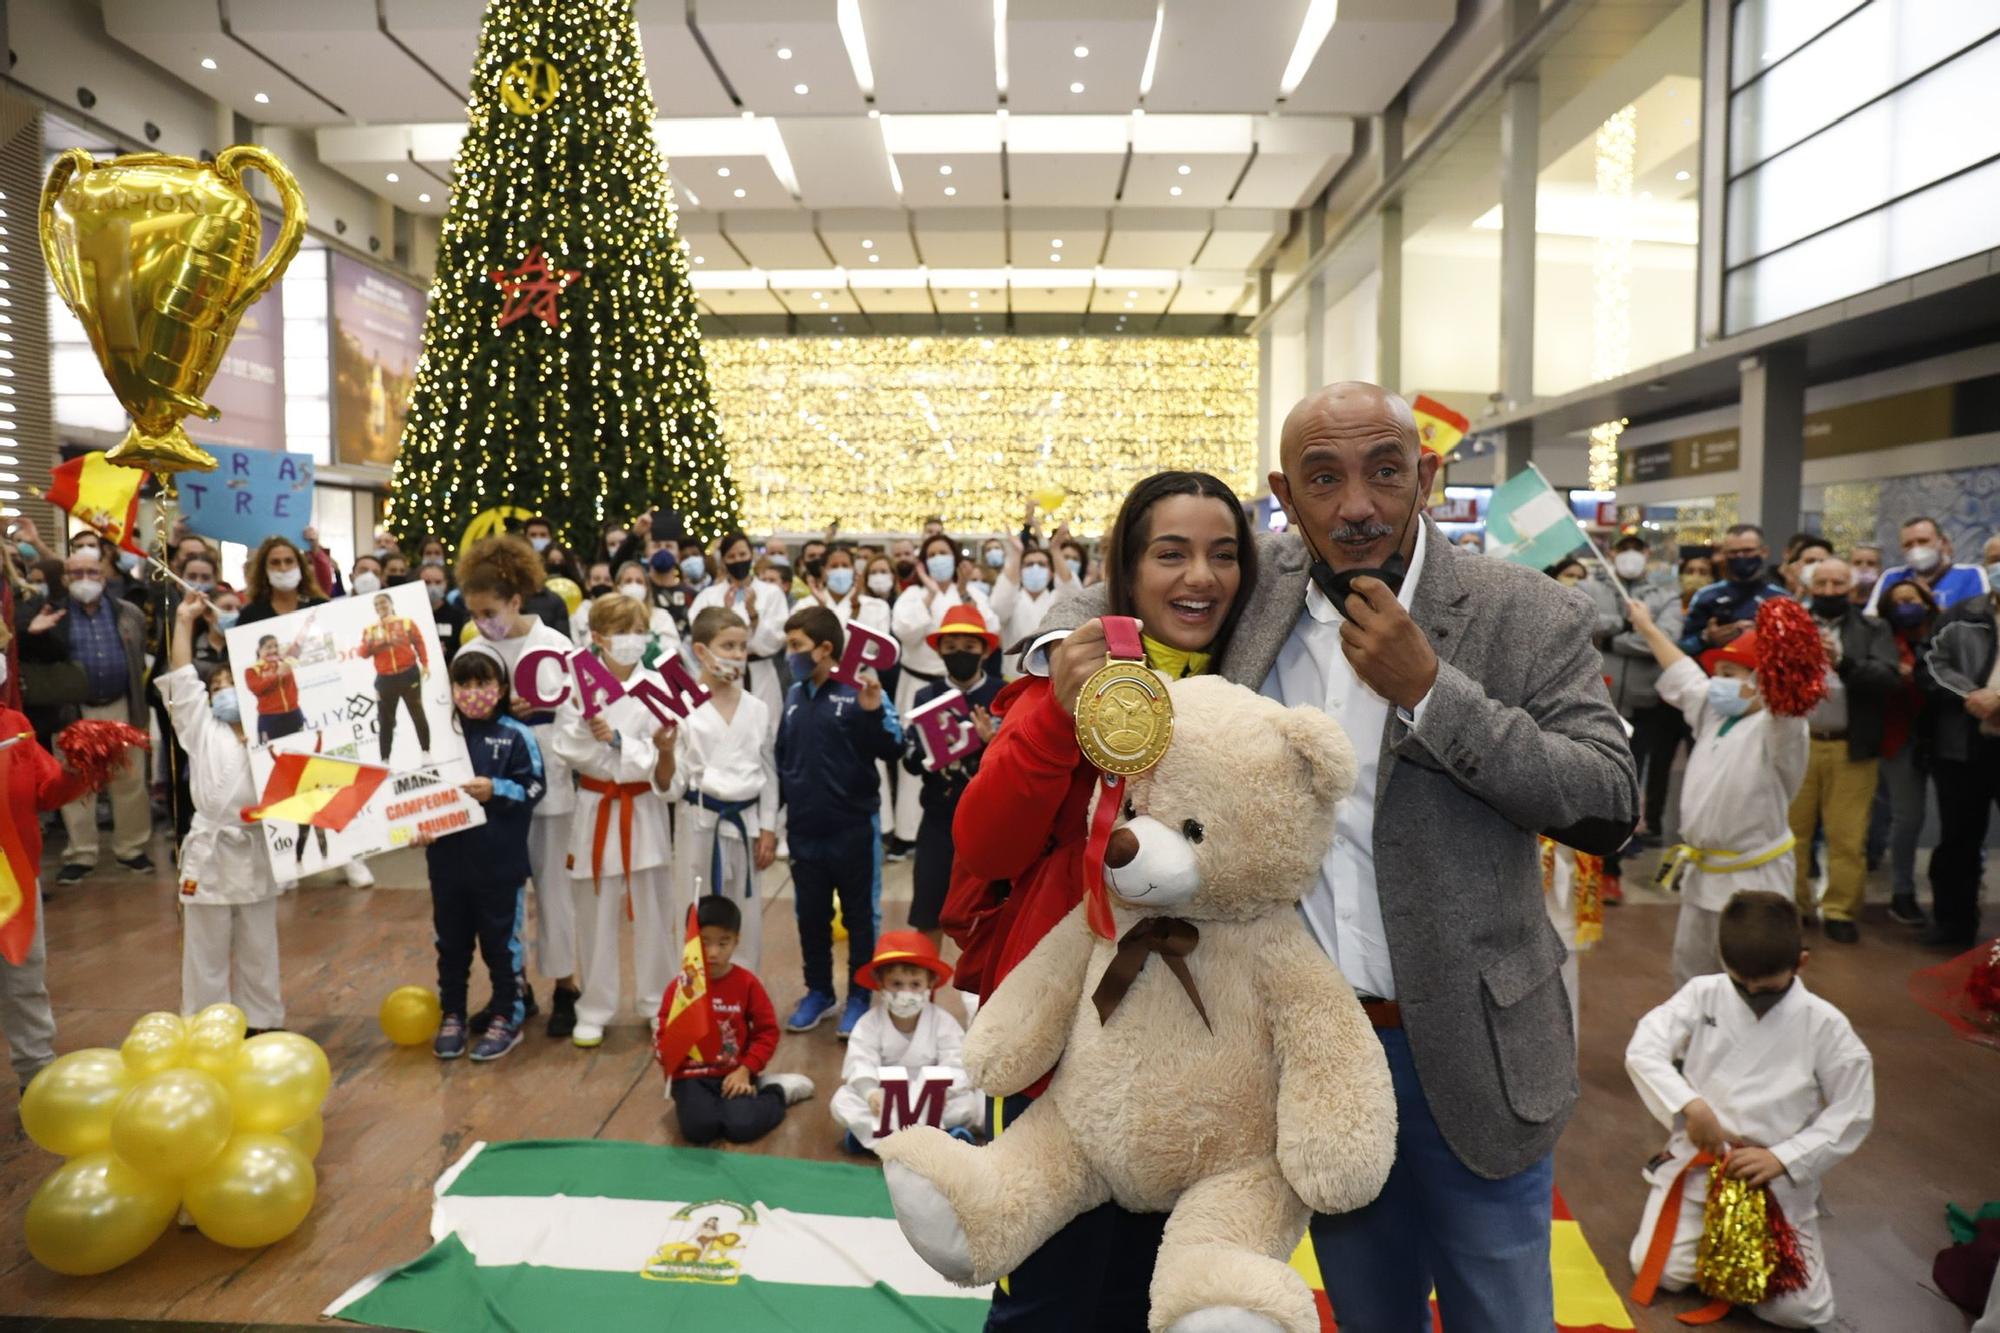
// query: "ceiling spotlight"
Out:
[1076,87]
[392,178]
[867,244]
[1128,305]
[823,305]
[1132,296]
[208,62]
[1184,169]
[784,53]
[945,170]
[699,260]
[749,115]
[1175,191]
[1645,196]
[1056,244]
[874,113]
[262,99]
[950,190]
[800,89]
[423,198]
[722,172]
[1081,52]
[1680,175]
[816,296]
[738,193]
[874,259]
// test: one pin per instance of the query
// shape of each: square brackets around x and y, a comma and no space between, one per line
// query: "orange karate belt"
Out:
[1648,1281]
[621,795]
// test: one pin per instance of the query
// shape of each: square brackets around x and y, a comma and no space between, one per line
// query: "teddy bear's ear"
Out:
[1324,752]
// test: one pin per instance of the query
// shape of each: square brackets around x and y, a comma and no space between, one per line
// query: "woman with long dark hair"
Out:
[1180,558]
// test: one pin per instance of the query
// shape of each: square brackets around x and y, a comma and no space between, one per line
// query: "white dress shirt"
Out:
[1343,910]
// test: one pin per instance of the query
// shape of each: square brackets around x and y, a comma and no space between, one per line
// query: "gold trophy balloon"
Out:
[157,257]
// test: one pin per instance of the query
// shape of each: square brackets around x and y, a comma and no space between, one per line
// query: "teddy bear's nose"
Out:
[1124,845]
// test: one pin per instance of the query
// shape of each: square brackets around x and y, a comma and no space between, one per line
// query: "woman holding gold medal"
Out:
[1179,564]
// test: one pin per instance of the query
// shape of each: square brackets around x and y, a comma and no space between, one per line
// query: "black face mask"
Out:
[597,590]
[1829,606]
[962,666]
[1744,568]
[738,569]
[1337,585]
[906,569]
[1763,1002]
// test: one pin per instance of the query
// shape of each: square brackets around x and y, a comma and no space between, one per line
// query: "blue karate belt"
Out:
[731,813]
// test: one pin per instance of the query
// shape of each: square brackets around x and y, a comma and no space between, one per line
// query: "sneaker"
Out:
[73,874]
[500,1037]
[898,850]
[857,1005]
[562,1012]
[796,1087]
[1842,932]
[964,1135]
[587,1035]
[814,1009]
[449,1043]
[358,876]
[1903,910]
[141,864]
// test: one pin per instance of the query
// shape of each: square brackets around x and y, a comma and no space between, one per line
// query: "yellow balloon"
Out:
[67,1109]
[212,1048]
[280,1078]
[152,1048]
[307,1135]
[1049,498]
[221,1015]
[256,1191]
[172,1124]
[95,1212]
[469,633]
[572,596]
[410,1015]
[160,1018]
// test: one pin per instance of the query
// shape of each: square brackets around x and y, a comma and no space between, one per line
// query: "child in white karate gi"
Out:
[725,757]
[1755,1070]
[904,1029]
[621,848]
[228,896]
[1736,795]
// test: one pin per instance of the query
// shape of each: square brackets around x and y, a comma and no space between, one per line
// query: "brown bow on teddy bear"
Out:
[1213,1063]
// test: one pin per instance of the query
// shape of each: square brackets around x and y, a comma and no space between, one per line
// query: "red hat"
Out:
[1741,650]
[1784,650]
[964,618]
[911,947]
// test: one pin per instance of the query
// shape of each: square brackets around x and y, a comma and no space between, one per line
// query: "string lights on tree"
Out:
[1616,159]
[562,368]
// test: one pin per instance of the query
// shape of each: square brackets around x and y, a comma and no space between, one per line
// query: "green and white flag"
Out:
[591,1234]
[1528,522]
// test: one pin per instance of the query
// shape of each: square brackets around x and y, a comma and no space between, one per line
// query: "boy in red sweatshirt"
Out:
[720,1089]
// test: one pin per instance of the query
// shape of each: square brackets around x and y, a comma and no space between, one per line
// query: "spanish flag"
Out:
[689,1017]
[17,874]
[102,494]
[313,789]
[1439,429]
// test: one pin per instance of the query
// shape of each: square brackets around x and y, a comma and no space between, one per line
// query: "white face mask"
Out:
[881,584]
[1629,564]
[722,668]
[906,1003]
[539,543]
[627,649]
[85,590]
[636,591]
[366,582]
[284,580]
[1034,577]
[1806,572]
[1923,559]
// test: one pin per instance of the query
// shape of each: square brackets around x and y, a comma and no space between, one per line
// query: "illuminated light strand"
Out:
[1616,156]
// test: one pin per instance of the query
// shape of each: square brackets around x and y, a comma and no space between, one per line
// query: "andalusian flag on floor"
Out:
[100,493]
[314,789]
[592,1234]
[1528,521]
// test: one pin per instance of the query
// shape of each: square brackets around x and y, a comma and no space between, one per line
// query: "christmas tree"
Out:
[562,369]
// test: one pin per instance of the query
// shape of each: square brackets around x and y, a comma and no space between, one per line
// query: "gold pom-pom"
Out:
[1734,1259]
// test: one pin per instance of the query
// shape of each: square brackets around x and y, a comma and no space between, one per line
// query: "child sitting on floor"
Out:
[906,1030]
[719,1089]
[1754,1070]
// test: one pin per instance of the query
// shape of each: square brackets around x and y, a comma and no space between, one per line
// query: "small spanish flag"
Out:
[689,1017]
[17,875]
[101,494]
[313,789]
[1439,429]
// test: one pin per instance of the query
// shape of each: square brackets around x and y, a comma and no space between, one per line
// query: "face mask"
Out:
[963,666]
[1569,580]
[1338,585]
[881,584]
[979,588]
[127,561]
[1693,583]
[1923,559]
[800,664]
[906,1003]
[227,619]
[27,552]
[942,567]
[1907,615]
[840,580]
[478,700]
[1829,606]
[284,580]
[638,592]
[996,558]
[1865,577]
[694,568]
[540,544]
[1744,568]
[85,590]
[905,568]
[365,582]
[1075,567]
[202,586]
[1034,577]
[1629,564]
[1762,1002]
[226,706]
[1725,696]
[738,569]
[493,627]
[662,562]
[381,553]
[613,540]
[1993,576]
[722,668]
[627,649]
[437,560]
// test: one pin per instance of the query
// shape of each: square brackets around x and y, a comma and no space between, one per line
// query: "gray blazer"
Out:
[1518,737]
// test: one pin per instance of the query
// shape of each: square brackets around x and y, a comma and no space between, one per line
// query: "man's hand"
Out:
[1075,660]
[600,730]
[983,723]
[1703,1129]
[643,524]
[46,618]
[1981,703]
[871,692]
[767,850]
[479,789]
[1752,1165]
[1721,632]
[1385,647]
[738,1083]
[1829,640]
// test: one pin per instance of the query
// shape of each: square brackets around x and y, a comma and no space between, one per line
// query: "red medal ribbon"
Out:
[1121,640]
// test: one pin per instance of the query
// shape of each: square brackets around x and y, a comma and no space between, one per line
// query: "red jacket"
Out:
[35,782]
[276,688]
[395,645]
[745,1031]
[1019,836]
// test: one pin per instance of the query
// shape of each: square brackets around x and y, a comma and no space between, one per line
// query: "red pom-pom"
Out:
[1788,1258]
[1791,660]
[93,747]
[1983,986]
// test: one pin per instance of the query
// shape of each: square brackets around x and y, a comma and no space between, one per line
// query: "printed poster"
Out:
[378,326]
[358,679]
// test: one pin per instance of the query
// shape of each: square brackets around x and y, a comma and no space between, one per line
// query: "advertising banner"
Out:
[378,325]
[249,388]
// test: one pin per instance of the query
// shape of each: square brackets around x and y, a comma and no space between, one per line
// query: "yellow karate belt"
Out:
[1715,860]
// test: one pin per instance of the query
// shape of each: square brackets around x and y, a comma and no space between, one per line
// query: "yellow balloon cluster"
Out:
[185,1113]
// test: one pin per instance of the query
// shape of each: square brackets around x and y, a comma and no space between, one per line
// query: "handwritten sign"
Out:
[944,729]
[912,1101]
[423,804]
[254,494]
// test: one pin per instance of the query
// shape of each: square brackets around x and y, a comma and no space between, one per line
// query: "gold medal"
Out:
[1124,719]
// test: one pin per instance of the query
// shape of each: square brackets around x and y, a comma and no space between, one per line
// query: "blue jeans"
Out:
[1483,1244]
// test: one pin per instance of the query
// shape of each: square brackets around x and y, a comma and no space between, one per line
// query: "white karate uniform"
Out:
[918,614]
[228,896]
[1019,612]
[877,1041]
[601,889]
[1797,1081]
[767,635]
[730,760]
[548,829]
[1736,796]
[1560,899]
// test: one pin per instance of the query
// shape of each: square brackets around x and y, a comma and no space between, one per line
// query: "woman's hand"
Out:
[193,608]
[1075,660]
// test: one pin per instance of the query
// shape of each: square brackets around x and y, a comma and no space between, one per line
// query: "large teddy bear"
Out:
[1233,1082]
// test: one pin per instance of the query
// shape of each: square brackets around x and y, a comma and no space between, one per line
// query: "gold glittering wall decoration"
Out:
[878,432]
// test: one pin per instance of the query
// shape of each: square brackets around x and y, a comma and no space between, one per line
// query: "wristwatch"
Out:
[1124,719]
